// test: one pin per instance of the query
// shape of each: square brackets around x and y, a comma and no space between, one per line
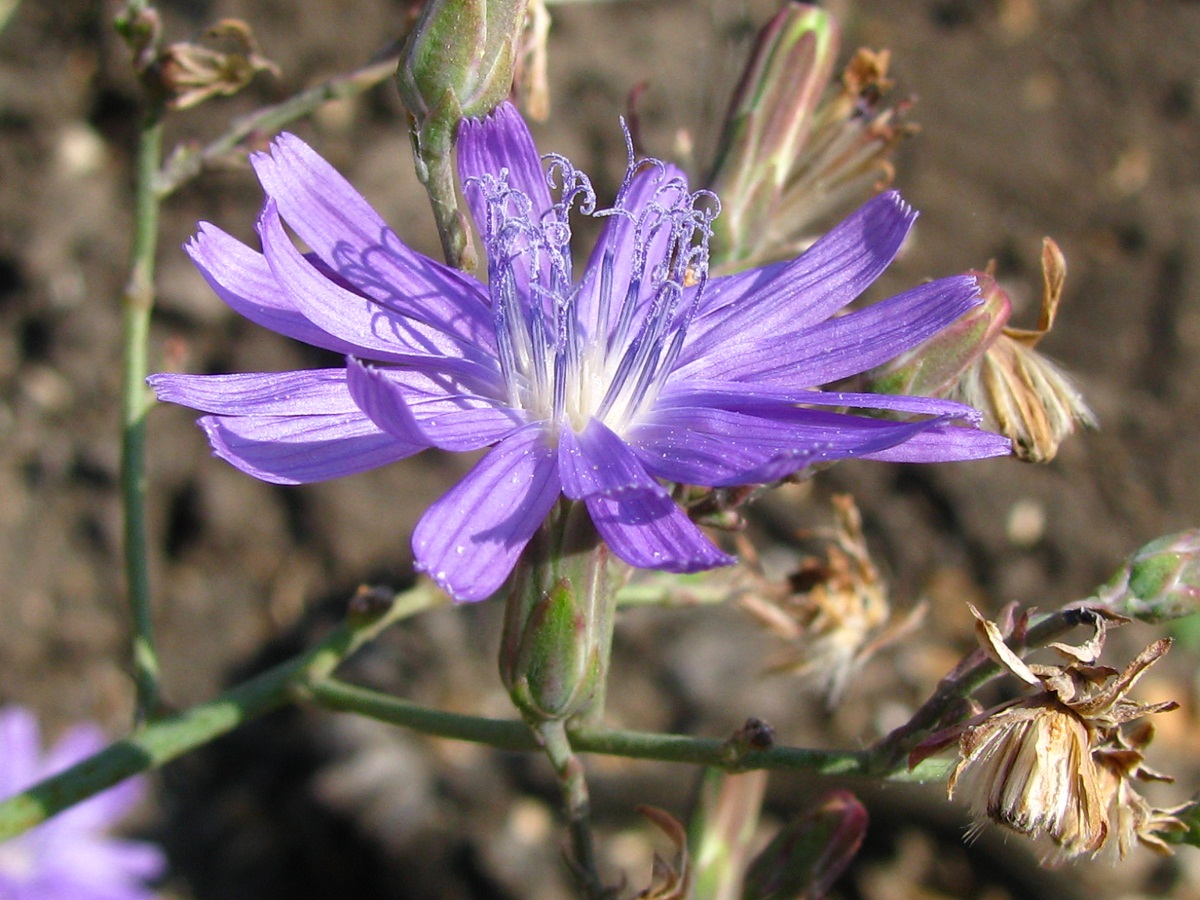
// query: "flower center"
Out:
[604,346]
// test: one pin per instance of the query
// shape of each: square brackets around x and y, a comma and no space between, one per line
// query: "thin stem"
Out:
[572,781]
[159,742]
[137,301]
[186,163]
[509,734]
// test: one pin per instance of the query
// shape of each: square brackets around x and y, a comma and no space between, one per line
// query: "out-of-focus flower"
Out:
[793,151]
[833,611]
[810,852]
[1059,764]
[222,63]
[642,371]
[71,855]
[530,82]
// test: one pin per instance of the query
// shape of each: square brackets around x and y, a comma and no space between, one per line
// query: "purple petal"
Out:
[647,530]
[636,239]
[431,407]
[20,750]
[757,399]
[470,539]
[377,332]
[99,869]
[787,297]
[303,449]
[841,346]
[945,443]
[721,448]
[501,141]
[306,392]
[596,461]
[241,277]
[332,218]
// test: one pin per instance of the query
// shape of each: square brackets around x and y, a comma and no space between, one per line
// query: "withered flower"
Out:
[1021,392]
[222,63]
[1057,764]
[982,361]
[834,611]
[1131,819]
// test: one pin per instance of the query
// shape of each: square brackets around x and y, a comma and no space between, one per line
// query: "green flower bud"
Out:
[458,60]
[558,619]
[457,63]
[1159,582]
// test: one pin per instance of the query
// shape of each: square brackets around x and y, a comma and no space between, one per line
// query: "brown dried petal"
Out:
[993,645]
[669,880]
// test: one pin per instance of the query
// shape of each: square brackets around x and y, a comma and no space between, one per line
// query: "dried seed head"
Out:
[223,62]
[1029,768]
[795,149]
[1060,764]
[833,611]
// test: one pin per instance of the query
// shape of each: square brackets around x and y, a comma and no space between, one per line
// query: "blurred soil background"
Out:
[1078,119]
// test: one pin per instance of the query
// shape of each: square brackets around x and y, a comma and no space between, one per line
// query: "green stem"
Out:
[572,781]
[186,163]
[159,742]
[137,301]
[510,734]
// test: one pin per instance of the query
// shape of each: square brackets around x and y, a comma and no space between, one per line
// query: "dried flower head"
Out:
[833,611]
[223,62]
[1022,393]
[1058,764]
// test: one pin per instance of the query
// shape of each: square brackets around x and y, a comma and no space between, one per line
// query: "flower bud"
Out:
[458,60]
[558,619]
[1159,582]
[457,63]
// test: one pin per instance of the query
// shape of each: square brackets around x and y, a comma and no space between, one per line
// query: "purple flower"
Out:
[601,388]
[69,856]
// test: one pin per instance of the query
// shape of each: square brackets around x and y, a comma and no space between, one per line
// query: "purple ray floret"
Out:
[70,855]
[640,372]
